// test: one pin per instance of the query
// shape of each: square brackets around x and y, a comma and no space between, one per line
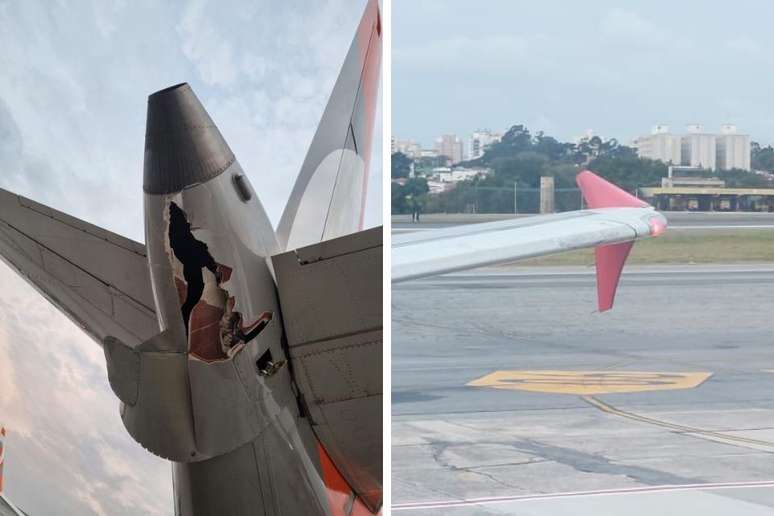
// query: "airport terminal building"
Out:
[680,191]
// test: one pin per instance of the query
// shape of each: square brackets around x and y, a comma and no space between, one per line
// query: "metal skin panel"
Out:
[331,296]
[208,249]
[98,279]
[346,269]
[227,412]
[262,477]
[477,245]
[324,195]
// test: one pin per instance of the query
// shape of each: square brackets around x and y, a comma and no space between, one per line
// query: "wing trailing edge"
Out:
[615,220]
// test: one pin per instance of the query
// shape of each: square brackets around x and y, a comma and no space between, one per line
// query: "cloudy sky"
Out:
[564,67]
[75,78]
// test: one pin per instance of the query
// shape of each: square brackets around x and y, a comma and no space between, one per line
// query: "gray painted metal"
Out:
[426,253]
[327,197]
[331,298]
[99,279]
[183,146]
[262,477]
[9,509]
[152,385]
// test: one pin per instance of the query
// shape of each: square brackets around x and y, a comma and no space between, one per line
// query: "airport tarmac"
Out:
[667,401]
[681,220]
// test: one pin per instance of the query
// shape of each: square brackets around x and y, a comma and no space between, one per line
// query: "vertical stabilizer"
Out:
[328,198]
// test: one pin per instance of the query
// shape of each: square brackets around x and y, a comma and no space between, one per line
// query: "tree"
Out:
[407,196]
[736,178]
[762,158]
[400,164]
[629,172]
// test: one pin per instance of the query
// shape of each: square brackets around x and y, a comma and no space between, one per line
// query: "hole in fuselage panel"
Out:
[194,255]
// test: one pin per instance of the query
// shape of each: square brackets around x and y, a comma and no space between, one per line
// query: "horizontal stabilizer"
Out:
[100,280]
[609,258]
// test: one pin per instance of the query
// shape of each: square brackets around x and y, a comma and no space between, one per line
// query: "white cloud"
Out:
[629,25]
[634,31]
[744,44]
[64,427]
[453,53]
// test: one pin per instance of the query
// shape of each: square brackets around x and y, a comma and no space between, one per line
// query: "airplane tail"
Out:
[610,258]
[328,198]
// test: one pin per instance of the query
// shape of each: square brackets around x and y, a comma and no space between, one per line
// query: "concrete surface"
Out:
[453,443]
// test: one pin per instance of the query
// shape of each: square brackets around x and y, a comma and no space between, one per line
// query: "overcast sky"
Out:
[73,89]
[564,67]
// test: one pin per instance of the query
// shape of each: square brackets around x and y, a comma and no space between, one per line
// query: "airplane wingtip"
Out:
[600,193]
[610,260]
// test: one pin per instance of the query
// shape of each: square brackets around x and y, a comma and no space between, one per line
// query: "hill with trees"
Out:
[521,158]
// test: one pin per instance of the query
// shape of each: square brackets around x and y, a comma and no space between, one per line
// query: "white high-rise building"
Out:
[660,144]
[699,148]
[733,150]
[480,140]
[450,146]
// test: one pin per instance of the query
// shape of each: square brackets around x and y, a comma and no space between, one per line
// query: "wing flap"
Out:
[97,278]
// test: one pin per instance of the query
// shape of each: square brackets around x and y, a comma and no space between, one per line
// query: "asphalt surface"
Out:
[677,220]
[460,449]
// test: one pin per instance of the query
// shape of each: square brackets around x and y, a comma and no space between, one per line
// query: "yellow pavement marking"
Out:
[590,382]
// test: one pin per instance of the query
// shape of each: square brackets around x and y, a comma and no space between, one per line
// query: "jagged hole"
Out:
[193,254]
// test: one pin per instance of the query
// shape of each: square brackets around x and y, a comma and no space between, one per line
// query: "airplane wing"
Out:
[100,280]
[616,220]
[328,198]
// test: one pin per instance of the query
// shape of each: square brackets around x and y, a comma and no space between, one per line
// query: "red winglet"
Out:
[610,261]
[599,193]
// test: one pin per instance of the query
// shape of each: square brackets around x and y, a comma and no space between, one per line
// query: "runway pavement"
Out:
[672,389]
[677,220]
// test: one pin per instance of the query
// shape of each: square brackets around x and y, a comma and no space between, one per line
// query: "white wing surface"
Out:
[611,230]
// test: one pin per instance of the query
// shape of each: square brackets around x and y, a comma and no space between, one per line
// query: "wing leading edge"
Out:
[615,221]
